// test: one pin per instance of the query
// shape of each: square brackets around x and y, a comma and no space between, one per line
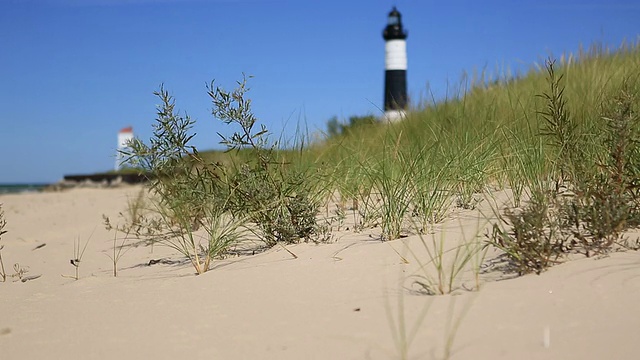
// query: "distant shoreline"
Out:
[96,180]
[17,188]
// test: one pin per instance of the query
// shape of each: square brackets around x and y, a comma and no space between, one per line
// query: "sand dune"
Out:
[335,301]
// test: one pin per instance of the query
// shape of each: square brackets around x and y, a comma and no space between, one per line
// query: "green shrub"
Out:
[188,194]
[605,201]
[531,238]
[594,199]
[277,197]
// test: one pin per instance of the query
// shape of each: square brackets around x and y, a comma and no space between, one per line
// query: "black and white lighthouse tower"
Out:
[395,79]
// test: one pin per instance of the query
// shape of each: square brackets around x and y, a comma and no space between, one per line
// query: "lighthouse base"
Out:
[394,115]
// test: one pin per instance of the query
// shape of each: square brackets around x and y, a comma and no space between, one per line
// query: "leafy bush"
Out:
[594,199]
[188,193]
[200,208]
[606,201]
[531,238]
[279,204]
[276,197]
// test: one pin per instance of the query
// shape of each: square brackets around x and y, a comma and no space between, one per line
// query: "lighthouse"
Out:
[124,137]
[395,79]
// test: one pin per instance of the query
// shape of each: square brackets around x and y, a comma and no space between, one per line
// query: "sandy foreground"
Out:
[341,300]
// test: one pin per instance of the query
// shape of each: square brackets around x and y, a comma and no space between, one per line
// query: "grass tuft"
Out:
[3,223]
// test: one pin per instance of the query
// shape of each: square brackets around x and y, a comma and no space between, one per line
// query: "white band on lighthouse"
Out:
[395,115]
[124,137]
[395,55]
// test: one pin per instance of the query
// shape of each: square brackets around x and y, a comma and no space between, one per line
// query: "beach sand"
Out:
[340,300]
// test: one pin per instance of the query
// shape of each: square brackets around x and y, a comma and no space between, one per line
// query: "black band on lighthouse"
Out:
[395,90]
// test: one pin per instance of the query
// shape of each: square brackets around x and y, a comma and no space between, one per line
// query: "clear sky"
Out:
[74,72]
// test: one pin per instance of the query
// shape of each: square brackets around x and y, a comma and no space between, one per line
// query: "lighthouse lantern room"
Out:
[395,84]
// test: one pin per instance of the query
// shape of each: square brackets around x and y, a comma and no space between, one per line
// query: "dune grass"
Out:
[535,134]
[562,138]
[3,223]
[78,254]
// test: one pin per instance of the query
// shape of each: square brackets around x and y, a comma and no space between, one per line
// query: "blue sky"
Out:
[74,72]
